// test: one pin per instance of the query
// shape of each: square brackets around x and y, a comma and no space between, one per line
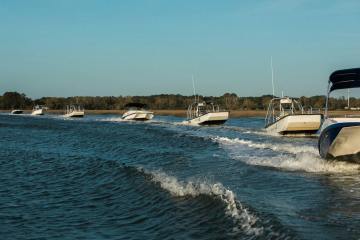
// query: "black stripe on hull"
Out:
[308,132]
[140,119]
[213,122]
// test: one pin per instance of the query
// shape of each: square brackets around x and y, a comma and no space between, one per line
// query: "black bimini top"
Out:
[136,105]
[347,78]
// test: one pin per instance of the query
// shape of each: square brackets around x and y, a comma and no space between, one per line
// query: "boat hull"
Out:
[341,141]
[75,114]
[37,112]
[296,125]
[214,118]
[138,115]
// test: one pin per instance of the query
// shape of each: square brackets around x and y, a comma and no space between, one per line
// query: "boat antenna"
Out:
[272,77]
[193,82]
[272,83]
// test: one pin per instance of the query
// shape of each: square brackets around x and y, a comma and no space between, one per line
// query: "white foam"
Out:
[263,133]
[301,158]
[111,119]
[239,214]
[306,162]
[278,147]
[186,123]
[119,119]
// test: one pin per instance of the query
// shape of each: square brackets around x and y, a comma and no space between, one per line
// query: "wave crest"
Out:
[234,209]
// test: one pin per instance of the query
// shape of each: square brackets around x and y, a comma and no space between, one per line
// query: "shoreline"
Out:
[182,113]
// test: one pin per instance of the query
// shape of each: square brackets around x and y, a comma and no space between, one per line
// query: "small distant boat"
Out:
[340,137]
[16,111]
[205,113]
[137,112]
[286,116]
[74,111]
[38,110]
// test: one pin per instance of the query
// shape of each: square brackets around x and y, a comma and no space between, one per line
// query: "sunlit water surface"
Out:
[103,178]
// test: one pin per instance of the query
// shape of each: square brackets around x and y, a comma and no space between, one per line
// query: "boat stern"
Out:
[212,118]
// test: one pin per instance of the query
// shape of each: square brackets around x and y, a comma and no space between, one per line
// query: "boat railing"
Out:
[312,110]
[352,116]
[74,108]
[189,113]
[270,114]
[275,112]
[197,109]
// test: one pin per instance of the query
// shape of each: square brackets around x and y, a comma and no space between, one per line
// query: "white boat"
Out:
[74,111]
[286,116]
[205,113]
[38,110]
[137,112]
[340,137]
[16,111]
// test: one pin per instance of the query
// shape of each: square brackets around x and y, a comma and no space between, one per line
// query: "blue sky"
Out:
[144,47]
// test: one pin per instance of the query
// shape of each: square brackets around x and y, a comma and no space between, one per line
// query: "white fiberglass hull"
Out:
[37,112]
[75,114]
[346,142]
[340,139]
[296,125]
[138,115]
[213,118]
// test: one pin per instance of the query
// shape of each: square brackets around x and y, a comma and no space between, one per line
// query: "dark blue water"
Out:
[101,178]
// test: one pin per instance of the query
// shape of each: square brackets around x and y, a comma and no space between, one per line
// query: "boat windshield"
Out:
[345,103]
[286,109]
[135,109]
[135,106]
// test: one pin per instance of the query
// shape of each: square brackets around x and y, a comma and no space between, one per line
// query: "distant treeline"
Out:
[230,101]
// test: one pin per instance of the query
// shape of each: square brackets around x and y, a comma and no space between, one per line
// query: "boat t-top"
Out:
[340,137]
[205,113]
[286,116]
[38,110]
[137,112]
[74,111]
[16,111]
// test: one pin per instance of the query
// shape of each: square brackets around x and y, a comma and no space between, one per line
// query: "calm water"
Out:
[101,178]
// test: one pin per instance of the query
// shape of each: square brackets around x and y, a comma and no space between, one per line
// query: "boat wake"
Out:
[284,147]
[305,162]
[240,215]
[293,158]
[247,130]
[186,123]
[112,119]
[119,119]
